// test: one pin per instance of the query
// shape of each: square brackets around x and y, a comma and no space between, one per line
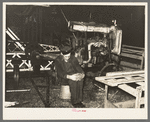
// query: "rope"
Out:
[67,21]
[63,15]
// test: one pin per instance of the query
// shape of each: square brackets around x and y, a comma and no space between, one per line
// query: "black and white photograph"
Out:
[75,60]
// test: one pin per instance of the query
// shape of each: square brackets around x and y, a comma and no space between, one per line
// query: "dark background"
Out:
[42,24]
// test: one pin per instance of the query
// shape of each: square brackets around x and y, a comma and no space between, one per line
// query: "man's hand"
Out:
[76,77]
[72,77]
[81,75]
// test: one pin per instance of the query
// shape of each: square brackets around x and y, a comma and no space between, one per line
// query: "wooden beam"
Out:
[100,78]
[127,46]
[128,89]
[138,96]
[121,80]
[23,90]
[125,73]
[106,96]
[132,50]
[131,56]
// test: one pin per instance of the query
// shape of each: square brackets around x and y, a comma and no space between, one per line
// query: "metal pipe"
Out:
[89,53]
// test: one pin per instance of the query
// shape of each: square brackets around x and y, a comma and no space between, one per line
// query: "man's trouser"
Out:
[76,89]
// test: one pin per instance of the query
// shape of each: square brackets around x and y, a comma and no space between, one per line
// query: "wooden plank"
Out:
[132,65]
[139,72]
[128,89]
[8,103]
[131,56]
[123,82]
[138,96]
[119,80]
[113,84]
[141,83]
[128,77]
[23,90]
[117,76]
[125,104]
[127,46]
[138,78]
[106,96]
[142,75]
[132,50]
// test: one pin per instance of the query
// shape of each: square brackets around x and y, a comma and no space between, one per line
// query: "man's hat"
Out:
[65,49]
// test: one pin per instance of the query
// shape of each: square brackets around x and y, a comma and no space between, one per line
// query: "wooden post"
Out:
[142,61]
[138,96]
[106,96]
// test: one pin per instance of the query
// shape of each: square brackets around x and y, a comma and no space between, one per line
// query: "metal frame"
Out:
[26,64]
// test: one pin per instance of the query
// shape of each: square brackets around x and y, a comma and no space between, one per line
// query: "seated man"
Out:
[70,72]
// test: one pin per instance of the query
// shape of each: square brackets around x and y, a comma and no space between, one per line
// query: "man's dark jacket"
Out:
[67,68]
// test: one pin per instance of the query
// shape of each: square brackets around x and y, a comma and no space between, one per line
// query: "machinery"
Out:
[96,45]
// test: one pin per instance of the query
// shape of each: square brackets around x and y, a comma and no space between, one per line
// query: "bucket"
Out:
[65,92]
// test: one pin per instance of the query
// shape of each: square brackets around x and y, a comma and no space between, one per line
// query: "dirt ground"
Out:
[93,96]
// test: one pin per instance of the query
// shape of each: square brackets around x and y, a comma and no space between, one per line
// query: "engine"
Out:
[97,50]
